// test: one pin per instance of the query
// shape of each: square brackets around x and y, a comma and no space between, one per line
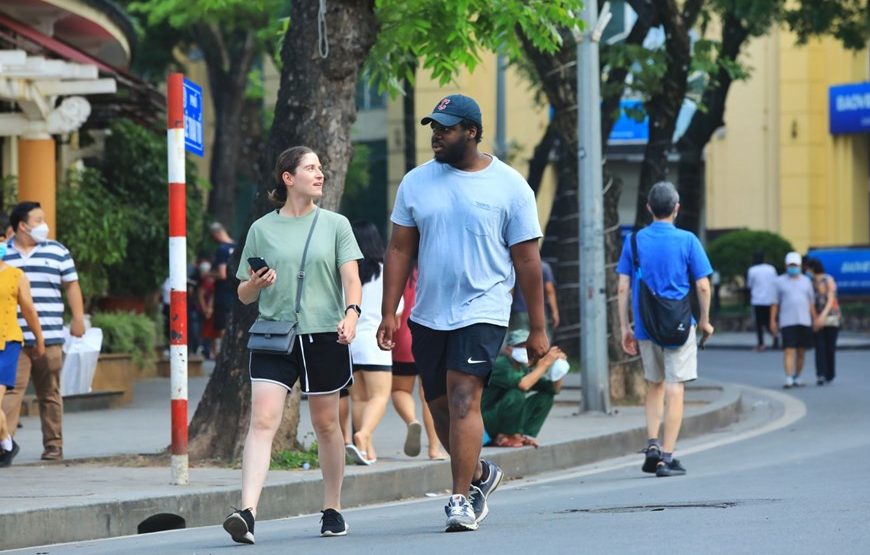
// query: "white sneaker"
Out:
[798,382]
[789,382]
[460,515]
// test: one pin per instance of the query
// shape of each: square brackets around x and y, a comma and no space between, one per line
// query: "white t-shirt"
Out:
[762,284]
[364,349]
[467,221]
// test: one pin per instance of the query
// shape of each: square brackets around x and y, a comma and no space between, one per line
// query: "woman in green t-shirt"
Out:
[320,359]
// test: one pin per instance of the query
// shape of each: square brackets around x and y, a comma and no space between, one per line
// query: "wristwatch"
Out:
[355,307]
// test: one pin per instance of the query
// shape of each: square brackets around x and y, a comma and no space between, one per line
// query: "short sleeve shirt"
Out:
[467,221]
[794,295]
[671,259]
[280,240]
[519,304]
[761,280]
[223,288]
[48,266]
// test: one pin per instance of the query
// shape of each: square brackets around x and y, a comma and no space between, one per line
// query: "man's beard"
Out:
[454,153]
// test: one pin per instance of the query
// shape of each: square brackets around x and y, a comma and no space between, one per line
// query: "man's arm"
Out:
[774,316]
[702,286]
[550,291]
[399,259]
[76,307]
[527,261]
[623,294]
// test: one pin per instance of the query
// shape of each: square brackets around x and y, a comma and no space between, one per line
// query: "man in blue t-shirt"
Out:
[470,221]
[670,260]
[224,292]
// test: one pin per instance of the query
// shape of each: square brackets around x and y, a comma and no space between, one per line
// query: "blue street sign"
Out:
[849,266]
[193,141]
[627,130]
[849,108]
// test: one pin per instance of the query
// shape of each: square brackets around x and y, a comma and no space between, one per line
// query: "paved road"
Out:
[801,488]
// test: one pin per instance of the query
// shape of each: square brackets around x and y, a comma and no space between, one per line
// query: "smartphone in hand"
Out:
[256,263]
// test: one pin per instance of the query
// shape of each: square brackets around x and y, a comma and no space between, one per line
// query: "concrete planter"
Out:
[116,372]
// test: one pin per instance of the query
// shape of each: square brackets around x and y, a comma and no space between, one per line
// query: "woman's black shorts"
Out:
[318,361]
[405,369]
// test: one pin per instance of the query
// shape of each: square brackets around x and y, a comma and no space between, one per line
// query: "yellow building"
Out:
[775,165]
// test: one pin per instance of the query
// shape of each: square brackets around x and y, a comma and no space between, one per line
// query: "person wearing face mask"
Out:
[51,270]
[794,314]
[518,398]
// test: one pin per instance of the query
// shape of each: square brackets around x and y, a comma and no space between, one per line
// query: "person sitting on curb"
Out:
[512,417]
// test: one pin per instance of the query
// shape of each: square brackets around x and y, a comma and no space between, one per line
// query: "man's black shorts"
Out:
[470,350]
[318,361]
[797,337]
[404,369]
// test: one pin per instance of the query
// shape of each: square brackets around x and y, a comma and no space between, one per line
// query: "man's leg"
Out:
[788,359]
[760,325]
[466,428]
[13,398]
[674,393]
[655,407]
[46,382]
[799,361]
[537,407]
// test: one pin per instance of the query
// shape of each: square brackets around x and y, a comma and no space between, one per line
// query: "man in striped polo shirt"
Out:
[50,268]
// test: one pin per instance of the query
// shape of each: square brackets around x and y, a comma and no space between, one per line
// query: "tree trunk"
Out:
[409,122]
[229,57]
[664,106]
[316,107]
[541,157]
[703,125]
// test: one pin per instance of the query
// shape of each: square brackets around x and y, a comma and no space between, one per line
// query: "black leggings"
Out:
[826,349]
[762,321]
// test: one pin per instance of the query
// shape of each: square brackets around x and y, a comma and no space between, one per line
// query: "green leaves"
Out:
[449,36]
[847,20]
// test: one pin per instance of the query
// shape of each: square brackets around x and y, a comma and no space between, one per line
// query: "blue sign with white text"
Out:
[628,130]
[193,140]
[849,108]
[850,268]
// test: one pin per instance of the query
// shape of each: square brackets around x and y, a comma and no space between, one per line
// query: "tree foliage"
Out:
[732,254]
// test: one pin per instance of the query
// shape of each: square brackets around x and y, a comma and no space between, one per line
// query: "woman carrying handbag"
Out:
[296,262]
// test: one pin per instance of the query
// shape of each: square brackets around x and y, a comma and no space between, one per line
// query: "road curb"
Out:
[208,508]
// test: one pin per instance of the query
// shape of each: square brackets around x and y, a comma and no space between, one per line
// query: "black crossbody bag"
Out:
[276,337]
[668,322]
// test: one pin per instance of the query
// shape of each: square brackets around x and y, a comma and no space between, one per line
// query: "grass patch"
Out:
[296,460]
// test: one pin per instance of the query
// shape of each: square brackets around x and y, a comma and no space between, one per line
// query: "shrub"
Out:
[127,332]
[731,254]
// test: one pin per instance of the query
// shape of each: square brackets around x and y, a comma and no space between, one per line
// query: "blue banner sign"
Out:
[627,130]
[849,266]
[850,108]
[193,139]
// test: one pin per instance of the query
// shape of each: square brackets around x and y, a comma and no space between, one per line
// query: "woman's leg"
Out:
[378,386]
[330,446]
[267,408]
[358,400]
[343,413]
[403,399]
[821,356]
[436,451]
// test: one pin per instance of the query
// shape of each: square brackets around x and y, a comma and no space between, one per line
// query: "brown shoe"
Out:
[52,453]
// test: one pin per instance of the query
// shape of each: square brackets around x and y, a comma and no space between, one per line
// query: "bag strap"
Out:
[634,253]
[301,274]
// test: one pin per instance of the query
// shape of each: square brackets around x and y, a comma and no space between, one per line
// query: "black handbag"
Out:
[276,337]
[668,322]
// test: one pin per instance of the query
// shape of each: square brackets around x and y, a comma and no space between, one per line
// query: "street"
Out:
[801,488]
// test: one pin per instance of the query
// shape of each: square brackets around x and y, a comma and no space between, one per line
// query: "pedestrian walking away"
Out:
[794,315]
[405,376]
[14,292]
[50,269]
[761,280]
[826,326]
[372,367]
[223,290]
[656,269]
[471,223]
[305,257]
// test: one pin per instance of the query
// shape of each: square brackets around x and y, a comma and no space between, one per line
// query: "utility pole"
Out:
[593,301]
[500,109]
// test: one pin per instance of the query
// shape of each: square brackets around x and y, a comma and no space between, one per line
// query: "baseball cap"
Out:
[452,109]
[793,258]
[515,337]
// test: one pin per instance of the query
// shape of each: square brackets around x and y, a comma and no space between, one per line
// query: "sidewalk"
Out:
[746,340]
[67,502]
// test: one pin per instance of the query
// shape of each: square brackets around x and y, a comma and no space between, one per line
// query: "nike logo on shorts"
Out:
[471,361]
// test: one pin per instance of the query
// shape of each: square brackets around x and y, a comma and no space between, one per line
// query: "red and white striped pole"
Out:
[177,276]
